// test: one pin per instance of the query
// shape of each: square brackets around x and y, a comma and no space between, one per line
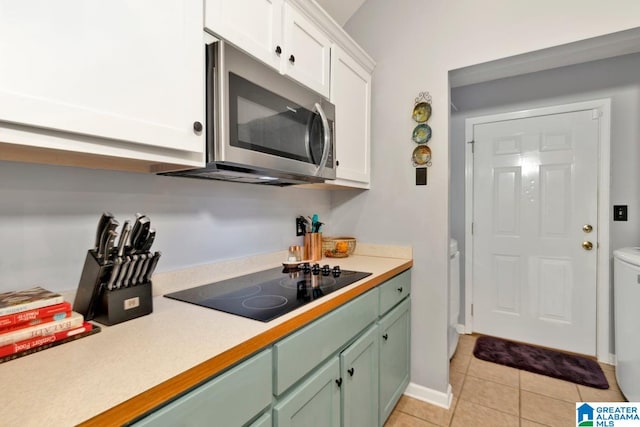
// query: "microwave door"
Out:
[324,139]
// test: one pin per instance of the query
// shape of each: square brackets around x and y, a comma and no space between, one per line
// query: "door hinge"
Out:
[473,144]
[472,309]
[472,228]
[596,114]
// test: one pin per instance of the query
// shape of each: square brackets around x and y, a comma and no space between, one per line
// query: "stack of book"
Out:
[34,319]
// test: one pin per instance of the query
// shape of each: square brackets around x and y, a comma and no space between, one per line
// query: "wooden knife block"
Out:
[95,302]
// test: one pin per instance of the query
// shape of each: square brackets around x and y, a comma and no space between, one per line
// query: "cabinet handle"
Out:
[278,50]
[400,289]
[385,336]
[339,382]
[292,59]
[337,162]
[197,127]
[351,371]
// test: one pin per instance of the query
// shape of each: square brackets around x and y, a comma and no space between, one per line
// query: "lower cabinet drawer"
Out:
[305,349]
[394,290]
[231,399]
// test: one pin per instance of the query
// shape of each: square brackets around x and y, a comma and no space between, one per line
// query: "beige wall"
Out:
[415,44]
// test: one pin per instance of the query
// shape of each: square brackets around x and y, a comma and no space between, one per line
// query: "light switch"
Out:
[620,212]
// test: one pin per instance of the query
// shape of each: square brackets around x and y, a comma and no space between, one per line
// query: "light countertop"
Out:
[129,368]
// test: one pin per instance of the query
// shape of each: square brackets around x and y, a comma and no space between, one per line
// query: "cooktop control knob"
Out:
[326,270]
[336,271]
[306,268]
[315,269]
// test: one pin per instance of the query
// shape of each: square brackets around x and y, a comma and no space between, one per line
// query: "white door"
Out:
[534,200]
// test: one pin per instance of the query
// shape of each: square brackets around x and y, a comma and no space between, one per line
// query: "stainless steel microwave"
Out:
[263,127]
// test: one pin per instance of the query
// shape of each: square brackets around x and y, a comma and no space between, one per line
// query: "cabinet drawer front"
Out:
[315,402]
[307,348]
[230,399]
[394,291]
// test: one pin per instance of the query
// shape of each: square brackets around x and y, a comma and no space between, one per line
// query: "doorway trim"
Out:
[603,287]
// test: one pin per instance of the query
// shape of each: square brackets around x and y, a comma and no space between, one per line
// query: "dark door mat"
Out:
[575,369]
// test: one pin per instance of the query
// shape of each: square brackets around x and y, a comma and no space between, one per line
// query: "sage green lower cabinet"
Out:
[359,373]
[394,356]
[348,368]
[231,399]
[263,421]
[315,402]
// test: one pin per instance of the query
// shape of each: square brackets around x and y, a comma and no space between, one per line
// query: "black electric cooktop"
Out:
[271,293]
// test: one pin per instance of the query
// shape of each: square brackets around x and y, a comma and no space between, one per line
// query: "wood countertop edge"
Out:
[144,402]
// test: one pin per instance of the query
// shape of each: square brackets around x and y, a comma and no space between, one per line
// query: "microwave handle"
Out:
[327,139]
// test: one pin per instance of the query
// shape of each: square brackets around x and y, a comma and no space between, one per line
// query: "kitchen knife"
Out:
[145,268]
[108,249]
[139,233]
[132,266]
[102,224]
[138,268]
[110,226]
[126,261]
[152,266]
[124,238]
[117,263]
[151,236]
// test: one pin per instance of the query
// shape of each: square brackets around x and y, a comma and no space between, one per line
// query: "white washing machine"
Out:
[626,300]
[454,295]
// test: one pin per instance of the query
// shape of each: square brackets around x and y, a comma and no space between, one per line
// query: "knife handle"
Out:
[132,267]
[124,237]
[123,271]
[114,273]
[102,224]
[152,266]
[136,276]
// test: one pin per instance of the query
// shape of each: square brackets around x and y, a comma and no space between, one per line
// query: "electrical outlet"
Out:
[620,212]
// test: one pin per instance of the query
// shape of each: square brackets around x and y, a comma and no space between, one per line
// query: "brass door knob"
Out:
[587,228]
[587,245]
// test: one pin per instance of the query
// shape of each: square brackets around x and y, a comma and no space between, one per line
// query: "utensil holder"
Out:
[109,307]
[313,246]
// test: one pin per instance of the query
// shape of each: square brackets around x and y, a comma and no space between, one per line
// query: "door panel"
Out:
[535,185]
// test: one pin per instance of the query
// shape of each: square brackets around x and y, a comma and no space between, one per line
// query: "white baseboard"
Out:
[610,359]
[460,329]
[428,395]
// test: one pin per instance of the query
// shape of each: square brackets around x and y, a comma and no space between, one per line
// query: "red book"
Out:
[34,322]
[37,313]
[42,340]
[49,328]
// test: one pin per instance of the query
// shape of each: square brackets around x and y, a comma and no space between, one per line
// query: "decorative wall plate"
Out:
[421,133]
[421,112]
[421,156]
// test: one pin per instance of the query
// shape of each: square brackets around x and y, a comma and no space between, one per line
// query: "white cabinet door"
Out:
[351,94]
[307,52]
[254,26]
[120,70]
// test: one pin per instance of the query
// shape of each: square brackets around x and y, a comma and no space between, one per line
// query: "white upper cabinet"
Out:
[351,94]
[253,25]
[115,78]
[307,52]
[277,34]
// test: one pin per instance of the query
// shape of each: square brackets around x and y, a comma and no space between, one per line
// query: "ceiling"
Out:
[341,10]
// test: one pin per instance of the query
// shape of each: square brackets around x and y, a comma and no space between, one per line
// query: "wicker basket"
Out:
[338,247]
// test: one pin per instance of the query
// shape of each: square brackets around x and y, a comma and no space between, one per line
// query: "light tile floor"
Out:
[492,395]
